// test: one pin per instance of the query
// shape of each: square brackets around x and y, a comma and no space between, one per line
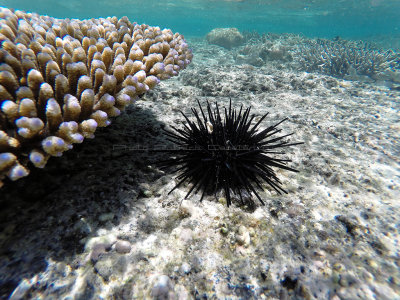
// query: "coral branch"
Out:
[61,79]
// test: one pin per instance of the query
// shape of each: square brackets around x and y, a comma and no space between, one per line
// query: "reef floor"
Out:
[98,223]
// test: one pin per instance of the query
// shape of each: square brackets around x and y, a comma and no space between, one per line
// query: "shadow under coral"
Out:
[45,215]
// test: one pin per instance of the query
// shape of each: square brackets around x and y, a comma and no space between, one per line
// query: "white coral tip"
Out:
[37,158]
[17,172]
[6,160]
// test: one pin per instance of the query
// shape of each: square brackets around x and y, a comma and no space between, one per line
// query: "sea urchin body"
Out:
[227,154]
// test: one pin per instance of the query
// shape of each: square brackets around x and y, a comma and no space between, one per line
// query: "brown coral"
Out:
[61,79]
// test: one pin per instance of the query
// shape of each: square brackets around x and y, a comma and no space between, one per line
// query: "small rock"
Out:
[372,263]
[334,179]
[252,232]
[196,264]
[185,268]
[243,237]
[186,209]
[123,247]
[148,193]
[97,251]
[222,200]
[108,240]
[319,254]
[224,230]
[162,288]
[242,230]
[104,268]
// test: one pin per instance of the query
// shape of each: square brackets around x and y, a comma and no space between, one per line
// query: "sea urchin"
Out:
[230,154]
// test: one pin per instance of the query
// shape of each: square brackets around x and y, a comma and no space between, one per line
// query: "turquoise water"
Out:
[322,18]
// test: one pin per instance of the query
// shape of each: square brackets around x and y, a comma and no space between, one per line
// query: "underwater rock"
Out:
[97,251]
[185,268]
[225,37]
[162,288]
[123,247]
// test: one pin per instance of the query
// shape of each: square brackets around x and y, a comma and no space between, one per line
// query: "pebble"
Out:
[243,237]
[242,230]
[386,245]
[371,262]
[334,179]
[123,247]
[224,230]
[186,209]
[222,200]
[252,232]
[196,264]
[97,251]
[185,268]
[148,193]
[162,287]
[319,254]
[108,240]
[105,268]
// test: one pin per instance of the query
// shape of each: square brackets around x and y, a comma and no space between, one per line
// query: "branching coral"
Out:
[340,58]
[61,79]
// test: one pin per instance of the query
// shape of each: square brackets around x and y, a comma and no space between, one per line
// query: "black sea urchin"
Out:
[228,154]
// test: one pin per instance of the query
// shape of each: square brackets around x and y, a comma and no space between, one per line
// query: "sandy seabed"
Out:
[98,223]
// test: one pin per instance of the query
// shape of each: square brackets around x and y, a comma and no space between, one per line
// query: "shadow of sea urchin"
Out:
[227,154]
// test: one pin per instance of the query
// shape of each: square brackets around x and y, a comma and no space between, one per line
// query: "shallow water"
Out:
[322,18]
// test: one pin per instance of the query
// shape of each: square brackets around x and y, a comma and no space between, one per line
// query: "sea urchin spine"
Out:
[230,154]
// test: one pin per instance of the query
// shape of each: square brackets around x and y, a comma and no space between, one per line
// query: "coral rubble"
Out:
[61,79]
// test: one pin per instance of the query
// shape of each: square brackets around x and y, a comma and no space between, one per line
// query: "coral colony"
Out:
[230,154]
[61,79]
[340,58]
